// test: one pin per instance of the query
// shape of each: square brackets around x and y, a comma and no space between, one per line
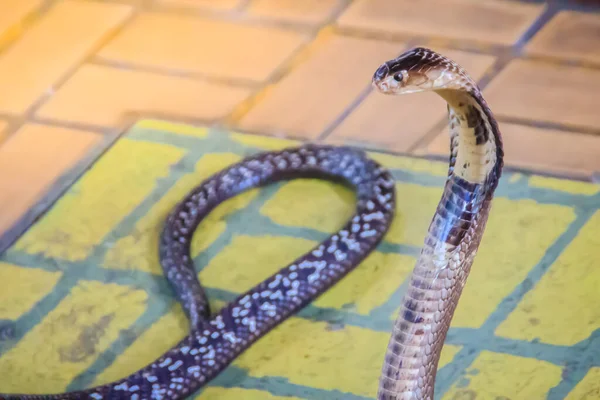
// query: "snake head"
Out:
[419,70]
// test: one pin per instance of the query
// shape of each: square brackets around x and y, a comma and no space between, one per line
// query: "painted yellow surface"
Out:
[138,249]
[370,285]
[313,354]
[109,191]
[22,288]
[367,287]
[263,142]
[420,165]
[515,177]
[216,393]
[502,376]
[172,127]
[564,185]
[234,270]
[415,205]
[329,208]
[517,236]
[563,307]
[588,388]
[70,337]
[344,356]
[150,345]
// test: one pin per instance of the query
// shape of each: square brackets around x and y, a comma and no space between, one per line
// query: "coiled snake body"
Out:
[411,360]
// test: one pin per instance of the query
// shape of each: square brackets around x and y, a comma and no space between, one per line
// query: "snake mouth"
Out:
[382,86]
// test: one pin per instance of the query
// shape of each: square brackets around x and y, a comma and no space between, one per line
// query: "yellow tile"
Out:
[55,151]
[588,388]
[419,165]
[46,52]
[517,236]
[515,177]
[269,254]
[309,353]
[154,342]
[70,337]
[448,353]
[173,127]
[365,288]
[329,208]
[560,309]
[108,192]
[107,96]
[138,249]
[501,376]
[564,185]
[263,142]
[415,206]
[500,22]
[216,393]
[23,288]
[209,46]
[12,16]
[370,285]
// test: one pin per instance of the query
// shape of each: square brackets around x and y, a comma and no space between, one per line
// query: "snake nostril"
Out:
[381,72]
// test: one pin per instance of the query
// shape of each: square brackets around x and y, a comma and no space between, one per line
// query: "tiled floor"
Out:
[75,73]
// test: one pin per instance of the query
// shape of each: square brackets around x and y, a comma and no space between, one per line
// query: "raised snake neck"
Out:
[435,286]
[476,161]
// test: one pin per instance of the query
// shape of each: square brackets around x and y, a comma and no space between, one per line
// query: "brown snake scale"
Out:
[418,335]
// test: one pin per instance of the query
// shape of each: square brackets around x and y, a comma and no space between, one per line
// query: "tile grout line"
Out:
[358,100]
[54,192]
[26,22]
[179,73]
[503,59]
[70,72]
[293,61]
[465,357]
[29,115]
[16,121]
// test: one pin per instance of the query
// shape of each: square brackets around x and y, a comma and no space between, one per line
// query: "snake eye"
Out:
[398,77]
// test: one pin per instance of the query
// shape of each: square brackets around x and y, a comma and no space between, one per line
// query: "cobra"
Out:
[214,341]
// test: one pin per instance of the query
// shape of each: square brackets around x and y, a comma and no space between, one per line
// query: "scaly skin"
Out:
[214,343]
[435,286]
[437,281]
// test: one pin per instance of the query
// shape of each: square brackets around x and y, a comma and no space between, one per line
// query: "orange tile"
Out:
[305,11]
[107,96]
[14,11]
[61,39]
[545,92]
[196,44]
[208,4]
[500,22]
[540,149]
[317,91]
[569,34]
[398,122]
[23,182]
